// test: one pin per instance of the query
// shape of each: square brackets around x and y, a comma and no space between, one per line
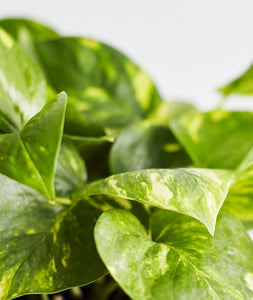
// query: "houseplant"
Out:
[99,175]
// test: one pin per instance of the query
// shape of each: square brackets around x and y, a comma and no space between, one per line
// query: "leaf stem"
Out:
[44,297]
[77,293]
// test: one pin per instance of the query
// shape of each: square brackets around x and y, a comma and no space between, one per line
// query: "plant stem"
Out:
[77,293]
[44,297]
[108,290]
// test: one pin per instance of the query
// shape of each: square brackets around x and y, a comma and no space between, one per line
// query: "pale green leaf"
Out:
[30,156]
[26,31]
[22,86]
[242,85]
[198,193]
[181,261]
[169,110]
[240,196]
[217,139]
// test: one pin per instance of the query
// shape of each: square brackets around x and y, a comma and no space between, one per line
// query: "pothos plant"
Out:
[106,177]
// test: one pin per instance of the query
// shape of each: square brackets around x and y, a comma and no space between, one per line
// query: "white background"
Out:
[189,47]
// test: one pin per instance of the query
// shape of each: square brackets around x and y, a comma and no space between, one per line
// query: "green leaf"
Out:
[198,193]
[25,32]
[217,139]
[18,28]
[144,146]
[44,248]
[30,156]
[242,85]
[169,110]
[70,171]
[22,86]
[105,88]
[95,152]
[182,261]
[240,196]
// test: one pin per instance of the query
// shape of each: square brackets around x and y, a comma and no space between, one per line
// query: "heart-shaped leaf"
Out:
[198,193]
[30,156]
[51,244]
[182,261]
[105,88]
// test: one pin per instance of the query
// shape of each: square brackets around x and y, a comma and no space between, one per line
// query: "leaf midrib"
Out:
[58,218]
[38,173]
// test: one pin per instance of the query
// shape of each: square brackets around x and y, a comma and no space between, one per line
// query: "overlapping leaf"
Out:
[22,86]
[176,264]
[217,139]
[19,28]
[30,156]
[195,192]
[145,146]
[25,32]
[51,243]
[105,88]
[240,196]
[95,152]
[70,171]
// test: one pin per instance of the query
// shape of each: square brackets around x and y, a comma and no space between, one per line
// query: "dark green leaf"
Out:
[22,86]
[217,139]
[95,152]
[49,243]
[198,193]
[70,171]
[30,156]
[105,88]
[182,261]
[145,146]
[44,248]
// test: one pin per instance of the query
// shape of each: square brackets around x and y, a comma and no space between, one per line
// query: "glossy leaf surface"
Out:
[51,243]
[198,193]
[145,146]
[22,86]
[44,248]
[30,156]
[105,88]
[217,139]
[175,263]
